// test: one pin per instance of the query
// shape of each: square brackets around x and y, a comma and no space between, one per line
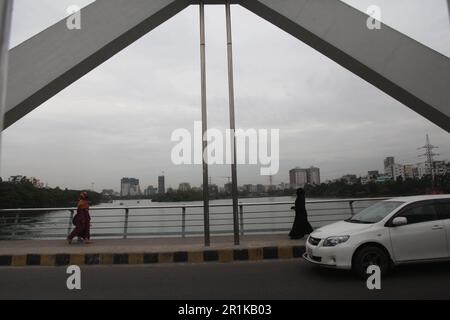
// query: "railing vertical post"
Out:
[125,224]
[16,222]
[69,227]
[241,213]
[352,211]
[183,222]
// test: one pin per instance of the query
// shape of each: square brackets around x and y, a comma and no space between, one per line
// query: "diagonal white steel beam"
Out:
[5,30]
[448,6]
[410,72]
[44,65]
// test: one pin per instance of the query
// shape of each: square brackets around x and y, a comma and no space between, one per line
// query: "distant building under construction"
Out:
[299,177]
[129,187]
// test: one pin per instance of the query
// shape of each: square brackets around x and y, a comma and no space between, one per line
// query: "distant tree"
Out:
[25,195]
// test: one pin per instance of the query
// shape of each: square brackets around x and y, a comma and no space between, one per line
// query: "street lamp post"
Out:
[204,126]
[234,185]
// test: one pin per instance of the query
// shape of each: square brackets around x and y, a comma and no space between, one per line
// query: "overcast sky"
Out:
[117,121]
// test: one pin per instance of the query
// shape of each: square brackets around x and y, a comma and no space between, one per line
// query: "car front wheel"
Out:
[368,256]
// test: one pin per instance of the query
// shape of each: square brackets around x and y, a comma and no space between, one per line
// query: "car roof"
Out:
[411,199]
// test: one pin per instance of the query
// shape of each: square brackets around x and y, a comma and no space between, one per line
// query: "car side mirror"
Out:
[399,221]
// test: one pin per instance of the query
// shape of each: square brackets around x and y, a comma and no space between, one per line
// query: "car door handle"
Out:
[437,228]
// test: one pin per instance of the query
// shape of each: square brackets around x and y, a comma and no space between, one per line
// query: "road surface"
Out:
[281,279]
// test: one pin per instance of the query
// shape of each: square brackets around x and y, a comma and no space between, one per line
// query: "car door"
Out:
[443,208]
[423,238]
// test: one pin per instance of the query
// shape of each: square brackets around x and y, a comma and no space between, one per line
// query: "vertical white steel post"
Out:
[183,222]
[69,227]
[204,126]
[125,223]
[5,29]
[234,184]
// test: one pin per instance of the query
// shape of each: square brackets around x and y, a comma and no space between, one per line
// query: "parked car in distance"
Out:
[391,232]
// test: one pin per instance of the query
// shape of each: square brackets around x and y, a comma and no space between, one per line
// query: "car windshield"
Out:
[375,213]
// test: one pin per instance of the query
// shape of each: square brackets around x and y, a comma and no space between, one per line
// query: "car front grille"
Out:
[314,241]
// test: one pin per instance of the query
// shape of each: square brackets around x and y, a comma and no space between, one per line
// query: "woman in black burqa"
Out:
[301,225]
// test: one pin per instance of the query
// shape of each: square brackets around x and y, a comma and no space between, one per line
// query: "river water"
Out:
[263,216]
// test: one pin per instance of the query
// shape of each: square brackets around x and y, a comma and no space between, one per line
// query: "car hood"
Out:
[341,228]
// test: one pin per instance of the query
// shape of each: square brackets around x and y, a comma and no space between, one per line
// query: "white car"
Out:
[391,232]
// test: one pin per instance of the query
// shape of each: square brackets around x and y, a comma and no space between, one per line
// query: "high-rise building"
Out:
[392,169]
[313,175]
[228,187]
[409,171]
[299,177]
[150,191]
[399,171]
[284,186]
[260,188]
[161,184]
[213,188]
[389,166]
[250,188]
[415,172]
[129,187]
[423,169]
[184,186]
[440,168]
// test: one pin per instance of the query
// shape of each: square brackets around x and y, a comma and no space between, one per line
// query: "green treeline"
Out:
[338,189]
[25,195]
[392,188]
[182,196]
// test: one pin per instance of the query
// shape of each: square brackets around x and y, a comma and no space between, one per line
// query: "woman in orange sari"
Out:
[82,220]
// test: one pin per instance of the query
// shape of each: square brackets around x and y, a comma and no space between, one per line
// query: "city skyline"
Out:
[327,116]
[391,169]
[420,164]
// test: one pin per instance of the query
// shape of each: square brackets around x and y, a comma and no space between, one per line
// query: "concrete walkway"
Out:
[138,251]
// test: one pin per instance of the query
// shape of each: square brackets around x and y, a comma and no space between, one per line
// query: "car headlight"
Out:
[334,241]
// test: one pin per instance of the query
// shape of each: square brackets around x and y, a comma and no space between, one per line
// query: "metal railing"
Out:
[173,221]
